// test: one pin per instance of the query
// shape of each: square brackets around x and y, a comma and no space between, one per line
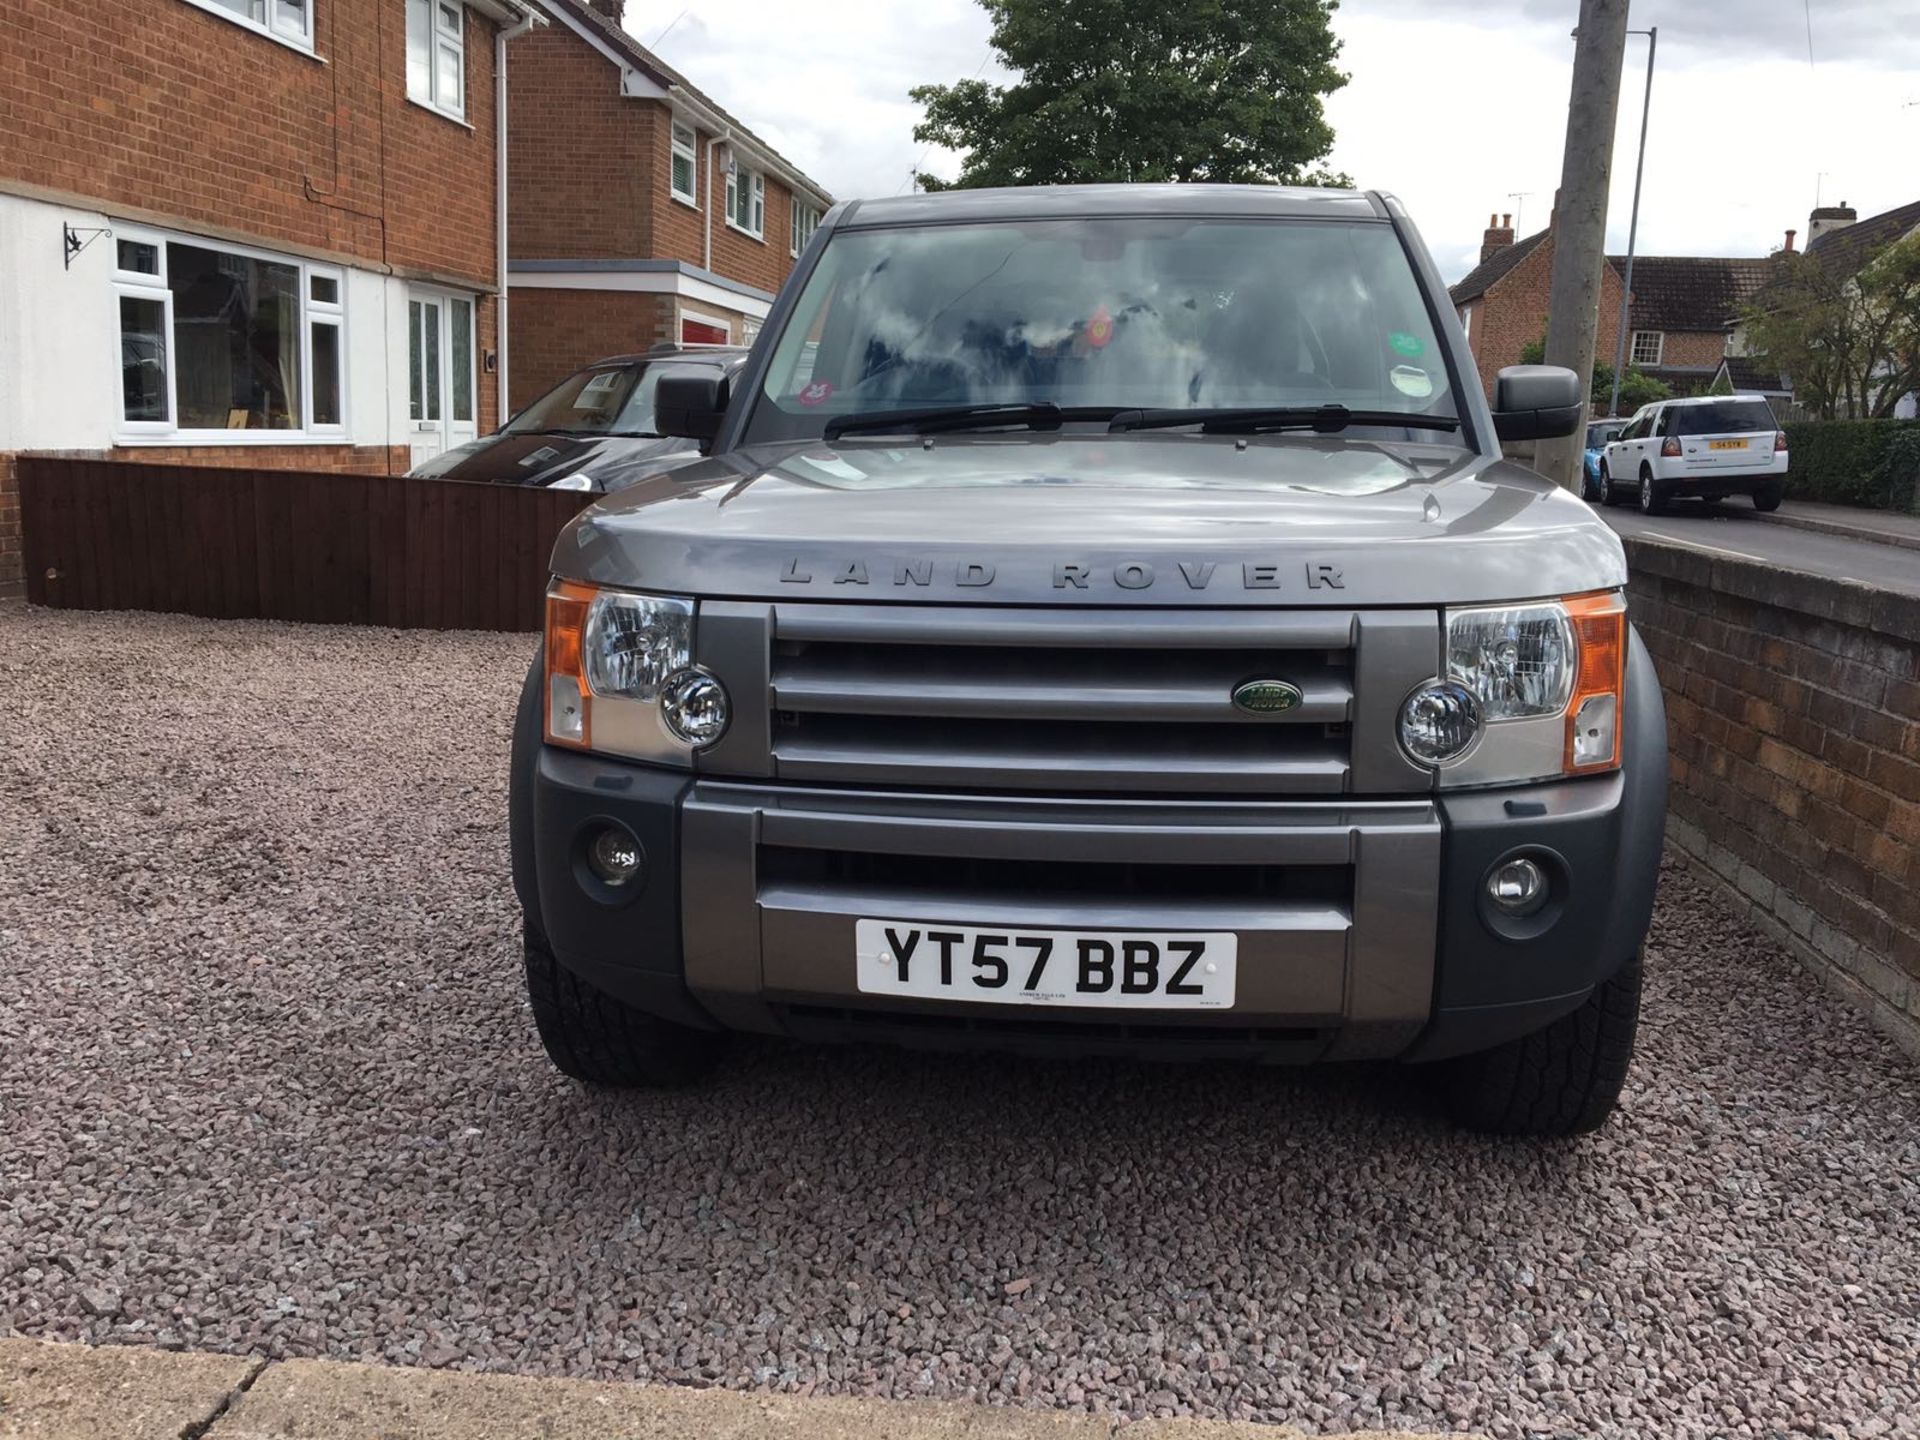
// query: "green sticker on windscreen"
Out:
[1406,344]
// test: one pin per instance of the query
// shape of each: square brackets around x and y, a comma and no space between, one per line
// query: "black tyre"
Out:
[1653,497]
[1606,487]
[1563,1080]
[596,1038]
[1767,498]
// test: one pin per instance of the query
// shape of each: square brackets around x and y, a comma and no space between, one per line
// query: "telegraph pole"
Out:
[1620,356]
[1580,217]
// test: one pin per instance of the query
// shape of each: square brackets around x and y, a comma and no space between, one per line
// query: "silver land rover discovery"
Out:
[1103,623]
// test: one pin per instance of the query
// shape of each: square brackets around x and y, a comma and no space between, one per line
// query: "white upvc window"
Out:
[290,21]
[683,171]
[747,201]
[437,55]
[1648,345]
[219,342]
[805,221]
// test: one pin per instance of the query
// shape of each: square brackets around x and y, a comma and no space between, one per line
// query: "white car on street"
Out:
[1701,448]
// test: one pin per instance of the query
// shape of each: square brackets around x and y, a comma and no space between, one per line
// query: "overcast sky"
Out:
[1454,104]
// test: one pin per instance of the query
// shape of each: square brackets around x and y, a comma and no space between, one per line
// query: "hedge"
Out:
[1871,463]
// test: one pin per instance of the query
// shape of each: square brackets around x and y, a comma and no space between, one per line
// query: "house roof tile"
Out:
[1754,373]
[1483,276]
[1690,292]
[1844,251]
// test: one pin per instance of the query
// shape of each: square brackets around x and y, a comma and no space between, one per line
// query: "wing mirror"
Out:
[1535,402]
[691,406]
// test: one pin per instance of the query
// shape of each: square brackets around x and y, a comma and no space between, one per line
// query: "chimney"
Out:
[1787,249]
[1499,235]
[614,10]
[1828,219]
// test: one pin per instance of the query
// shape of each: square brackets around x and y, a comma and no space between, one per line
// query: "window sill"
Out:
[213,8]
[693,205]
[446,115]
[203,439]
[738,229]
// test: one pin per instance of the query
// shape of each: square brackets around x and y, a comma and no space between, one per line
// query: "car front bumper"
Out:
[1361,924]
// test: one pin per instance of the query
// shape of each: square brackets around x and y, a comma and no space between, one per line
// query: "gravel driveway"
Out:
[268,1082]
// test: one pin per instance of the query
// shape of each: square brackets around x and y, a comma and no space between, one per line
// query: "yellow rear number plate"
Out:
[1726,444]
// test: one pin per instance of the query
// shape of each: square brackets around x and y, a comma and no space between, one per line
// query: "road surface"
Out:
[1732,528]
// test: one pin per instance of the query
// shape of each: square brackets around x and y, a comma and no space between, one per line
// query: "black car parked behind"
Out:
[593,431]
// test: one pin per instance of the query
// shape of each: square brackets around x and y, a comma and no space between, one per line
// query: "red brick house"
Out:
[1681,316]
[642,211]
[251,232]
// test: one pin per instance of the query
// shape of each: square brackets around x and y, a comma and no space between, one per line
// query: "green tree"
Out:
[1143,90]
[1637,388]
[1849,342]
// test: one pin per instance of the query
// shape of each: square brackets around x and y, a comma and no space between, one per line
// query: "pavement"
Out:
[1883,527]
[1856,546]
[76,1392]
[269,1090]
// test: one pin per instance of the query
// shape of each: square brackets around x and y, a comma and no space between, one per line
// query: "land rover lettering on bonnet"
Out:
[1102,623]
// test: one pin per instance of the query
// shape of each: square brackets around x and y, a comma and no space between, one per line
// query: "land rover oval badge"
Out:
[1266,697]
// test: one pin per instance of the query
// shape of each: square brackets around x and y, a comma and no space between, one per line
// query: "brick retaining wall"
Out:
[1793,705]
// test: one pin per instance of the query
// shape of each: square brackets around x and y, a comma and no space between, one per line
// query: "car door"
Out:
[1646,445]
[1622,455]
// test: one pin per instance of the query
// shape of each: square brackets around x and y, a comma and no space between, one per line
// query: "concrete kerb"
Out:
[76,1392]
[1863,530]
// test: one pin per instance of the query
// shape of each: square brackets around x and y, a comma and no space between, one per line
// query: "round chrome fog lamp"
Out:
[695,706]
[1517,887]
[1439,722]
[614,856]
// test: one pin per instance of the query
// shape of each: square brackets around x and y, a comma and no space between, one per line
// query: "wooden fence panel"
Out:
[287,544]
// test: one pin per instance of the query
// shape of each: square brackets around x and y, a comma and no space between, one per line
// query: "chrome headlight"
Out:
[634,642]
[1546,680]
[1516,660]
[621,678]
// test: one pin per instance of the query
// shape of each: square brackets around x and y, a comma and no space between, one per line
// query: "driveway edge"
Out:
[51,1391]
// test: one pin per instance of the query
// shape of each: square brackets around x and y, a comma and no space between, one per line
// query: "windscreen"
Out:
[602,400]
[1147,312]
[1722,417]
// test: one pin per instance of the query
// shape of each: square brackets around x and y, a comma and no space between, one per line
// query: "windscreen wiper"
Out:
[1325,419]
[1041,415]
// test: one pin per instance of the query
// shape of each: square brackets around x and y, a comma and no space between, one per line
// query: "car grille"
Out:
[1067,700]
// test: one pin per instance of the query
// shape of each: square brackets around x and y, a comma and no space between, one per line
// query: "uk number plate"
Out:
[1113,969]
[1726,444]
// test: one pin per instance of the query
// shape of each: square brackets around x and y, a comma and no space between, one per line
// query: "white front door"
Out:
[440,374]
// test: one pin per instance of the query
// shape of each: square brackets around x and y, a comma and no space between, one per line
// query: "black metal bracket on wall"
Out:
[74,244]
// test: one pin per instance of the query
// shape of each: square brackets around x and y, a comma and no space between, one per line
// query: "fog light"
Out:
[1439,722]
[1517,887]
[614,856]
[695,706]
